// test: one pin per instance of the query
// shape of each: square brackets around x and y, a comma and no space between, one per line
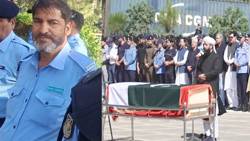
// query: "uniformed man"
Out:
[159,62]
[83,120]
[148,61]
[41,96]
[12,50]
[141,53]
[75,41]
[130,61]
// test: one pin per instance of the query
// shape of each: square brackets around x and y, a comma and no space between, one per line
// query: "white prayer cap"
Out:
[195,39]
[211,41]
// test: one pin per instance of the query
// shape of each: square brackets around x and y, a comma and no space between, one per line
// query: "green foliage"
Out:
[117,23]
[90,8]
[140,16]
[25,4]
[92,42]
[25,18]
[154,29]
[232,20]
[168,17]
[23,24]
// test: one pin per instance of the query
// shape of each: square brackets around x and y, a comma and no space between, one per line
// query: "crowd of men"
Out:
[221,62]
[170,59]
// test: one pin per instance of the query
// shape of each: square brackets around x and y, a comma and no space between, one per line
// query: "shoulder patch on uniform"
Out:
[83,61]
[68,127]
[27,57]
[20,41]
[24,60]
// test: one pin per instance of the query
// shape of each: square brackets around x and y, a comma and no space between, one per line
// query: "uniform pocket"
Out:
[50,99]
[3,72]
[15,101]
[47,109]
[15,91]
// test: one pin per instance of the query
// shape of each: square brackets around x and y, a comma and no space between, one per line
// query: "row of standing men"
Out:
[39,81]
[174,60]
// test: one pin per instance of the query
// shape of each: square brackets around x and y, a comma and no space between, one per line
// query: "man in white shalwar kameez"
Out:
[180,60]
[231,75]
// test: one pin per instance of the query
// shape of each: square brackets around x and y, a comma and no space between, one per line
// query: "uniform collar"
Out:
[73,37]
[59,61]
[5,43]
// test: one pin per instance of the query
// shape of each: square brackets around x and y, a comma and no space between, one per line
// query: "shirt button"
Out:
[26,100]
[14,126]
[46,102]
[12,94]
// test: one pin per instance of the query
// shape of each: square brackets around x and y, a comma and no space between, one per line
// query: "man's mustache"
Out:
[44,36]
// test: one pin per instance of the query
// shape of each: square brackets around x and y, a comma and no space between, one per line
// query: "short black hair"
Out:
[235,34]
[130,38]
[248,35]
[78,19]
[58,4]
[136,40]
[104,39]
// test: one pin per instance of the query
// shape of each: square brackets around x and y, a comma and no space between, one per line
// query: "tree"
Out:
[24,4]
[90,8]
[232,20]
[140,16]
[23,24]
[117,23]
[168,17]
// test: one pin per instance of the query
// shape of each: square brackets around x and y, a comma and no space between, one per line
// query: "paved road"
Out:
[233,126]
